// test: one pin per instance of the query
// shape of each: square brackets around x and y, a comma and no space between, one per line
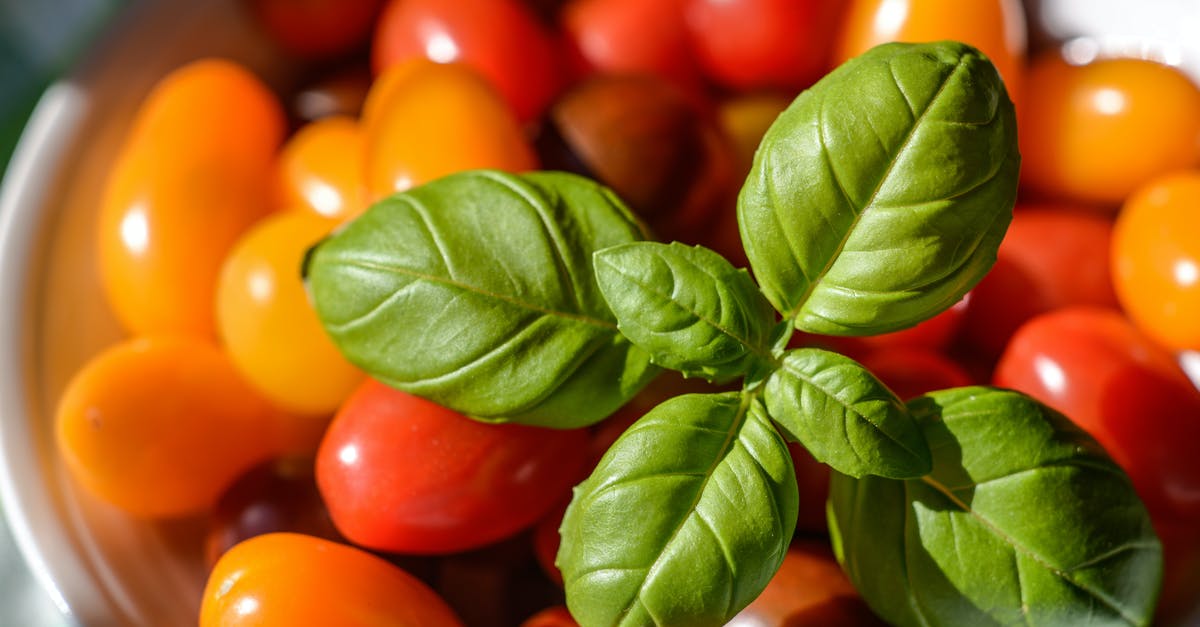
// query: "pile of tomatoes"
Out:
[333,499]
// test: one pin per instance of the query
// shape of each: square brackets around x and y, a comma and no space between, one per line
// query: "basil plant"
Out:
[875,201]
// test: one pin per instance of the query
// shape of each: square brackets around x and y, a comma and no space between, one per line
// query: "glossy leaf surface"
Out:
[477,292]
[845,416]
[686,306]
[685,519]
[881,195]
[1024,520]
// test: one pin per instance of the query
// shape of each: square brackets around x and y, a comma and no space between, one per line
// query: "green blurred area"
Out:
[39,41]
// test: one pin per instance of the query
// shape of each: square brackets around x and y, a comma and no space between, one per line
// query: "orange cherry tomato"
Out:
[160,426]
[1095,132]
[294,580]
[996,27]
[436,119]
[1156,259]
[268,325]
[321,169]
[193,175]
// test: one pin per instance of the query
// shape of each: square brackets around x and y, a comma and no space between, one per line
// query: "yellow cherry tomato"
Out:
[437,119]
[321,169]
[268,325]
[193,175]
[1156,259]
[1095,132]
[294,580]
[160,426]
[996,27]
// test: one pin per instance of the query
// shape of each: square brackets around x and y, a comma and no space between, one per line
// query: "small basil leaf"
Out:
[1024,520]
[477,291]
[687,306]
[880,196]
[845,416]
[685,519]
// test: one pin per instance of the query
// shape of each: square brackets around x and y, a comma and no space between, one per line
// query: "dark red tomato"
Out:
[317,29]
[546,541]
[403,474]
[502,39]
[280,495]
[934,334]
[1126,391]
[1052,256]
[632,37]
[748,44]
[809,589]
[812,478]
[911,371]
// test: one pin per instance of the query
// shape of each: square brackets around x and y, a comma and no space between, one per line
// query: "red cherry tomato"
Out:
[502,39]
[809,589]
[317,29]
[748,44]
[1095,132]
[632,37]
[996,27]
[1122,388]
[1156,259]
[293,579]
[1052,256]
[403,474]
[546,541]
[912,371]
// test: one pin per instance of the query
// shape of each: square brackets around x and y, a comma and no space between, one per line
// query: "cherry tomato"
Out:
[911,371]
[1052,256]
[934,334]
[747,44]
[555,616]
[1121,387]
[502,39]
[1128,393]
[1156,259]
[317,29]
[996,27]
[293,579]
[161,426]
[429,120]
[193,175]
[809,589]
[321,169]
[268,325]
[403,474]
[632,37]
[1095,132]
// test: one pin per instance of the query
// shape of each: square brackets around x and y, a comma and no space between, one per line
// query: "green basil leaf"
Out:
[1024,520]
[880,196]
[477,291]
[688,307]
[685,519]
[845,416]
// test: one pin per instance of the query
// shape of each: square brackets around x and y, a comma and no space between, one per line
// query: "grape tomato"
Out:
[192,176]
[294,579]
[321,169]
[402,474]
[161,426]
